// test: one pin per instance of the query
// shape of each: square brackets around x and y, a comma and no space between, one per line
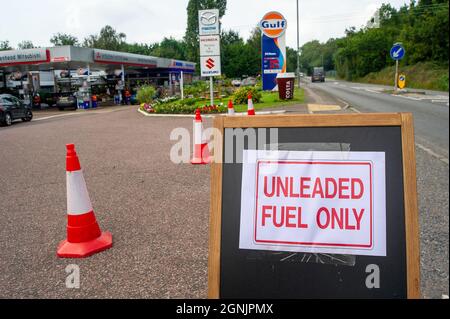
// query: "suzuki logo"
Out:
[208,18]
[210,63]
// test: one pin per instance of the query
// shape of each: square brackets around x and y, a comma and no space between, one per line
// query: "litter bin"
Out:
[286,85]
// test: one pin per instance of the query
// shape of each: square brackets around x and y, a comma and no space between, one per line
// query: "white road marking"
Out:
[373,91]
[346,105]
[430,152]
[406,97]
[52,116]
[440,101]
[74,113]
[354,110]
[423,148]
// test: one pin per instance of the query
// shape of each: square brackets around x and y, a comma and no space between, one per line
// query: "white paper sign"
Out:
[210,45]
[321,202]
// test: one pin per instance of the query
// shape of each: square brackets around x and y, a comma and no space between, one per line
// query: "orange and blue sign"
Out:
[273,26]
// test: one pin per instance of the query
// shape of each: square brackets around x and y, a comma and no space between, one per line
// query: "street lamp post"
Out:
[298,49]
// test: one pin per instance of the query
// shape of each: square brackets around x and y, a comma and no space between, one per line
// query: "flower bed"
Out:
[173,105]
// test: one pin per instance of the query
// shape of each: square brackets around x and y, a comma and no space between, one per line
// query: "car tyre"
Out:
[28,116]
[8,119]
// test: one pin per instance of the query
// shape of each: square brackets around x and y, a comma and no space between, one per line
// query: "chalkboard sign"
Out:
[314,206]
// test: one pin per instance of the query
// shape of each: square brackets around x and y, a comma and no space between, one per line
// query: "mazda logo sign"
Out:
[208,18]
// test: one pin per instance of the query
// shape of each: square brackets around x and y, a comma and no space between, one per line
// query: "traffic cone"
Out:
[230,107]
[250,109]
[84,237]
[201,152]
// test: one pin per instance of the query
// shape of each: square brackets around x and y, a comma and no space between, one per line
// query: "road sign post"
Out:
[397,53]
[209,46]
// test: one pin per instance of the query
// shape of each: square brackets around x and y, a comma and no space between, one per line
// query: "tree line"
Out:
[422,27]
[239,57]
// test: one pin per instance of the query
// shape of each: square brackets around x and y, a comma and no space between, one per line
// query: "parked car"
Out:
[250,81]
[236,82]
[66,101]
[11,109]
[318,75]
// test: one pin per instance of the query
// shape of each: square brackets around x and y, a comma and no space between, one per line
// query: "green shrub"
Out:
[443,82]
[196,89]
[180,107]
[241,95]
[145,94]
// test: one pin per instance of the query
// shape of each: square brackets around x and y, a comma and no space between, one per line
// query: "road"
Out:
[430,110]
[431,121]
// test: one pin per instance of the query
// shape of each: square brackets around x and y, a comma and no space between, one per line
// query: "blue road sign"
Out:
[397,52]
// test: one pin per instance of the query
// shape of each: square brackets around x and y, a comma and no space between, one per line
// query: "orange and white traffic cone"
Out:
[84,237]
[230,107]
[201,152]
[250,108]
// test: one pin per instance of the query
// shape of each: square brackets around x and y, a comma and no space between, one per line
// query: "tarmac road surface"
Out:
[431,123]
[157,211]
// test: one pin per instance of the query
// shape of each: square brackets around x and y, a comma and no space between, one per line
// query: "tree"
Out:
[25,45]
[169,48]
[4,45]
[191,36]
[107,39]
[60,39]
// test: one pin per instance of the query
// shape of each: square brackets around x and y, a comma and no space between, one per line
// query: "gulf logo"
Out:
[273,24]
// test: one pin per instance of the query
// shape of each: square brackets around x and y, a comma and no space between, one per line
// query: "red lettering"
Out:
[358,218]
[265,187]
[347,224]
[264,214]
[317,189]
[300,225]
[343,187]
[291,191]
[304,187]
[281,223]
[318,218]
[361,188]
[290,216]
[337,219]
[328,193]
[282,187]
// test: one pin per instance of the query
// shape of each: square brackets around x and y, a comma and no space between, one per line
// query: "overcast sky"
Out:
[148,21]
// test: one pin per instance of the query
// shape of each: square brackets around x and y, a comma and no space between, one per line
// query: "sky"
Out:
[149,21]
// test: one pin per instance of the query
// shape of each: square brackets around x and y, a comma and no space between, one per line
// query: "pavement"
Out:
[157,211]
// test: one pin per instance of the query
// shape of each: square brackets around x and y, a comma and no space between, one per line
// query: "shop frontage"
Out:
[85,72]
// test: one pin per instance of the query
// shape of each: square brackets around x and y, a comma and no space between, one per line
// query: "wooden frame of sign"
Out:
[402,120]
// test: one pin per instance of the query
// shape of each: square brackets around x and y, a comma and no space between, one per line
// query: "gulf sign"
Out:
[273,24]
[273,61]
[320,202]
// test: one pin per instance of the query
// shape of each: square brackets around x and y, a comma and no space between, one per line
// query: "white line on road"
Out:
[430,152]
[407,97]
[346,105]
[52,116]
[373,91]
[354,110]
[423,148]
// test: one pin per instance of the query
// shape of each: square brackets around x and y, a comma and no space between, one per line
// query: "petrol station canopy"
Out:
[71,57]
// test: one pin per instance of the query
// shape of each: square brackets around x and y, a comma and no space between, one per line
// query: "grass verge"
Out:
[424,75]
[268,100]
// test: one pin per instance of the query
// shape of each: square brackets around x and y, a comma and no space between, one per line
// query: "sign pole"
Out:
[182,85]
[396,75]
[298,48]
[211,90]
